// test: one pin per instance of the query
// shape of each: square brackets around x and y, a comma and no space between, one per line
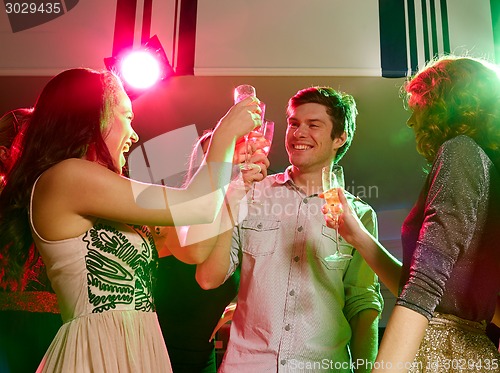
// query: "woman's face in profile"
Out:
[120,135]
[415,120]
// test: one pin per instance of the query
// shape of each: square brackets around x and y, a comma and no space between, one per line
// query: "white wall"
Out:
[240,37]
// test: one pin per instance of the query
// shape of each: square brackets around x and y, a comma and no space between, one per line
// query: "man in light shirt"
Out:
[298,309]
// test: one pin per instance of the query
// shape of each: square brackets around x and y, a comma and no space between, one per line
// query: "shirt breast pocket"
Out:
[260,236]
[326,249]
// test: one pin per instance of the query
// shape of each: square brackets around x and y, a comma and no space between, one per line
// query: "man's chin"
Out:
[298,158]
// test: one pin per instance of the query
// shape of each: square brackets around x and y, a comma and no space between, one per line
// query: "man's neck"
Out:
[307,181]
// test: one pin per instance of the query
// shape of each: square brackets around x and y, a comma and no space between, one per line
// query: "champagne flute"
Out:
[268,133]
[333,179]
[241,92]
[267,130]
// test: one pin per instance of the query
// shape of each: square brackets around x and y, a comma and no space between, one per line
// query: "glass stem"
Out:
[337,240]
[247,160]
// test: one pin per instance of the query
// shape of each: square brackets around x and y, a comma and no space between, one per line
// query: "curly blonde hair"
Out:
[455,96]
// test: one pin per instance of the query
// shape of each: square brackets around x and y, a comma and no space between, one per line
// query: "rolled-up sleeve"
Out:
[362,288]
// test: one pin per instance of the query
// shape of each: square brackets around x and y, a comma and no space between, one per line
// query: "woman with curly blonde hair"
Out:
[455,96]
[448,284]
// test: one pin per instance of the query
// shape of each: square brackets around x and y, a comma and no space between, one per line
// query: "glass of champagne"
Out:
[333,179]
[267,131]
[241,92]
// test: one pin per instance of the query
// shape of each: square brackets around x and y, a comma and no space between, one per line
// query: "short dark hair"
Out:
[340,106]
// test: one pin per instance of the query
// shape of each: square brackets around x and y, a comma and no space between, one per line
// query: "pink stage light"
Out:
[140,69]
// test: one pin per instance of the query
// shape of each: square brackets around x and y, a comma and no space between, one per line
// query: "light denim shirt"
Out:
[294,305]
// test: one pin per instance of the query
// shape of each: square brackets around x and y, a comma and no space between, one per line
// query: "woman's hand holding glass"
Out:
[258,162]
[242,118]
[347,222]
[333,183]
[241,93]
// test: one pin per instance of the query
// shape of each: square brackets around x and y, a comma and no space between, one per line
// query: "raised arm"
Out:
[213,271]
[193,244]
[204,195]
[73,192]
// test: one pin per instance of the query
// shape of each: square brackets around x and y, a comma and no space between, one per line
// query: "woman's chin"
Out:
[120,162]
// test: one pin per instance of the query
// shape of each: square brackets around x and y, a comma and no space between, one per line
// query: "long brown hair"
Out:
[69,118]
[10,127]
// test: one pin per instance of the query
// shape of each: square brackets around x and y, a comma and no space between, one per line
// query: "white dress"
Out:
[103,281]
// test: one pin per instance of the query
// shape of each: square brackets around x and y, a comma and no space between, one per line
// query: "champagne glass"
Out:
[267,131]
[333,179]
[241,92]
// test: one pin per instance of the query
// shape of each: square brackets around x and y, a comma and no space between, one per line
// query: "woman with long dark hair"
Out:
[32,314]
[65,193]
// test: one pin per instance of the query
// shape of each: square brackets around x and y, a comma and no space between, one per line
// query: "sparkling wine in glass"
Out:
[333,179]
[241,92]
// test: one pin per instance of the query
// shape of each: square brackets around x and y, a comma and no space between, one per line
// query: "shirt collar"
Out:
[284,177]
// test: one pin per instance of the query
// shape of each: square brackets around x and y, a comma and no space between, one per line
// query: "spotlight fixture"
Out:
[140,69]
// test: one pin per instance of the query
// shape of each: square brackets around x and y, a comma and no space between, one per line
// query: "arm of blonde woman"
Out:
[192,244]
[402,337]
[226,317]
[383,263]
[364,338]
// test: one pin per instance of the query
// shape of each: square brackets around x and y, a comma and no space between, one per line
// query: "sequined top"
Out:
[451,238]
[295,303]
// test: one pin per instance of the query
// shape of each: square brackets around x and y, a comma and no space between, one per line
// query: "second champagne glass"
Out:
[333,179]
[267,130]
[241,92]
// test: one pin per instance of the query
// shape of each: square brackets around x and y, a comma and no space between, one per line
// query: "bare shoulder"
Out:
[73,172]
[72,167]
[72,183]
